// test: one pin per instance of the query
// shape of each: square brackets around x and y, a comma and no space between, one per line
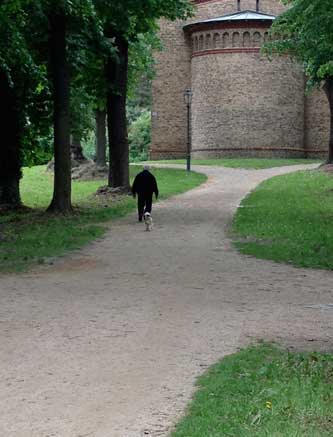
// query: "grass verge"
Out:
[263,391]
[33,237]
[246,163]
[289,219]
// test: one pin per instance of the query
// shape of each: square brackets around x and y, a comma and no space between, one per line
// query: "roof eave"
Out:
[257,18]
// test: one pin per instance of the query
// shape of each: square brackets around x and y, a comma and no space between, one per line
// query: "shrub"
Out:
[139,137]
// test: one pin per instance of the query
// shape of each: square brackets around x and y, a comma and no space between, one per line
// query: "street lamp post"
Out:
[188,100]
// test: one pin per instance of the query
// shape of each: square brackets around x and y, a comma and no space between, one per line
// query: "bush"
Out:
[89,145]
[38,151]
[139,137]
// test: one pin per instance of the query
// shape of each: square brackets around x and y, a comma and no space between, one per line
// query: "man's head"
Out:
[146,167]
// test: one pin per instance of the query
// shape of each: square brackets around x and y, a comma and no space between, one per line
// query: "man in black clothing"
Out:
[144,186]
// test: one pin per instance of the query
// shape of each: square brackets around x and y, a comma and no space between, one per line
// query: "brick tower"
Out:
[243,103]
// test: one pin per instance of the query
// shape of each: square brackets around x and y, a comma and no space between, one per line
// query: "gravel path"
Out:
[108,342]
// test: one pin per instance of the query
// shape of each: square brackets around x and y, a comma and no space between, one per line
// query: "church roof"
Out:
[237,16]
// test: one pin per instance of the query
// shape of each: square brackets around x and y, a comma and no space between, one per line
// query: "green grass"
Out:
[247,163]
[34,237]
[289,219]
[266,392]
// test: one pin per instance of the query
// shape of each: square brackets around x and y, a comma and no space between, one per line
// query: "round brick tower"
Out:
[243,103]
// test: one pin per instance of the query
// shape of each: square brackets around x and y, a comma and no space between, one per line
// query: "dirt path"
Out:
[108,342]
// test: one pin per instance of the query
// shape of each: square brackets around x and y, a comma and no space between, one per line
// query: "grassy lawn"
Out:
[249,163]
[29,238]
[263,391]
[289,219]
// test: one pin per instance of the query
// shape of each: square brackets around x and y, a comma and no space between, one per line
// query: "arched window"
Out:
[216,41]
[196,44]
[225,40]
[201,42]
[235,39]
[256,39]
[208,41]
[246,39]
[266,37]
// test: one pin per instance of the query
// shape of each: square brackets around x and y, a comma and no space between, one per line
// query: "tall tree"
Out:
[72,26]
[82,119]
[123,22]
[22,95]
[88,90]
[11,137]
[305,31]
[116,74]
[61,201]
[101,139]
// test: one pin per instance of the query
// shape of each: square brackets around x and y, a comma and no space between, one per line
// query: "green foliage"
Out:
[91,29]
[133,17]
[289,219]
[139,137]
[141,67]
[305,31]
[88,49]
[24,56]
[136,21]
[16,57]
[26,73]
[89,145]
[139,100]
[82,113]
[263,391]
[38,151]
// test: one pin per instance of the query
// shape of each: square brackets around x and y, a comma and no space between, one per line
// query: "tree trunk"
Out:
[101,138]
[10,144]
[76,149]
[328,87]
[61,201]
[116,77]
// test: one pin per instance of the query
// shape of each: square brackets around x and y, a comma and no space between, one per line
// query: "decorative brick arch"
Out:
[208,41]
[215,36]
[257,39]
[225,40]
[217,40]
[246,39]
[236,39]
[201,42]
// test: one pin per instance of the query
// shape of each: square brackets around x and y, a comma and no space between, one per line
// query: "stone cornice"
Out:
[198,2]
[254,24]
[226,51]
[242,149]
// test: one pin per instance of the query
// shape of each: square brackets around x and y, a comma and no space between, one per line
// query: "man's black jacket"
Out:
[144,184]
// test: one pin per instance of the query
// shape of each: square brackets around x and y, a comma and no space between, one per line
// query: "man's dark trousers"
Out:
[145,202]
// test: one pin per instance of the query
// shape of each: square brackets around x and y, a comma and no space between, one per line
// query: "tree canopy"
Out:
[306,32]
[59,61]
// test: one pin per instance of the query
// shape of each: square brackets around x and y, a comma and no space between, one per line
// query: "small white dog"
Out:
[148,221]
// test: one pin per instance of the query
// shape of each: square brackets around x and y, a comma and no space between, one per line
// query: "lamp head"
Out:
[188,96]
